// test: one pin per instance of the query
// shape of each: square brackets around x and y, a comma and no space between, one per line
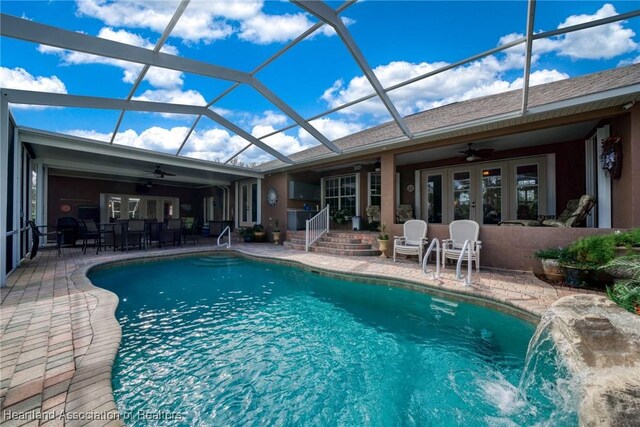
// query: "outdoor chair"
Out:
[459,232]
[573,215]
[37,234]
[190,230]
[171,232]
[136,233]
[91,231]
[404,213]
[373,213]
[414,240]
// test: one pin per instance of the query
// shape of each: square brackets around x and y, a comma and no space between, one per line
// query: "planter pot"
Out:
[383,245]
[259,236]
[552,269]
[248,239]
[276,237]
[575,276]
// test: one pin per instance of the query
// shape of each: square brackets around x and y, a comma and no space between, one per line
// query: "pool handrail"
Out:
[316,227]
[228,231]
[434,242]
[465,248]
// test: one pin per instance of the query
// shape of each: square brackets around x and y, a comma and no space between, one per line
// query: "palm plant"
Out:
[626,292]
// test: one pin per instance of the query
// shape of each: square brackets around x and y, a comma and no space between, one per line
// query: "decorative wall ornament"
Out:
[65,208]
[611,157]
[272,196]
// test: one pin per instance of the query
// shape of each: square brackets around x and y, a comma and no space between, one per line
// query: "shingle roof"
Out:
[475,109]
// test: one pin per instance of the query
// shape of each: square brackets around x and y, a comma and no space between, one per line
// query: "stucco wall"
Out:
[82,192]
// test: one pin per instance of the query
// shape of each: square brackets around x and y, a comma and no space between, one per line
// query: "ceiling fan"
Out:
[471,155]
[159,173]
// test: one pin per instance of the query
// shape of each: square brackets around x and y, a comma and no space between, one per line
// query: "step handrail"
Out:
[228,231]
[316,227]
[465,248]
[435,242]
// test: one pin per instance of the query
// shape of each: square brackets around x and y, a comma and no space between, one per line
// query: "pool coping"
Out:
[90,390]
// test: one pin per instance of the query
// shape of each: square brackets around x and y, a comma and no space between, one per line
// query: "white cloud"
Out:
[265,29]
[173,96]
[158,77]
[630,61]
[331,128]
[205,21]
[485,76]
[19,78]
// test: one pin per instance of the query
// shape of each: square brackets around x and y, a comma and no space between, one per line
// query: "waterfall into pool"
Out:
[224,340]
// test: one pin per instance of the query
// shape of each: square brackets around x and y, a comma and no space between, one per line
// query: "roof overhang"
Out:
[90,158]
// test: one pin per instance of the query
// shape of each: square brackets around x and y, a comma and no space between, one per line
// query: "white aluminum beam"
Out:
[325,13]
[531,16]
[163,38]
[23,29]
[17,96]
[4,185]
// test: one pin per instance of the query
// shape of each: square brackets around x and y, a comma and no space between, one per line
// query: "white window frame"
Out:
[369,190]
[124,201]
[357,195]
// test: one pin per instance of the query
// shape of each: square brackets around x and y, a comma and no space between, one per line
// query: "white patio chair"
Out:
[414,240]
[459,232]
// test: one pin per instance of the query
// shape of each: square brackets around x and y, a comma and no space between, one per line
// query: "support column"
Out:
[388,181]
[4,182]
[632,163]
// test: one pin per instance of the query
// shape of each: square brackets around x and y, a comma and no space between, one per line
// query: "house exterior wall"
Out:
[625,191]
[279,211]
[82,192]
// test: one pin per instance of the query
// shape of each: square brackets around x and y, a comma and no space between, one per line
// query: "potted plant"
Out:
[549,258]
[627,242]
[383,240]
[585,256]
[275,230]
[247,234]
[341,216]
[258,233]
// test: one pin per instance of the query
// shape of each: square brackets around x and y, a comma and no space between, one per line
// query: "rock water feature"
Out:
[598,345]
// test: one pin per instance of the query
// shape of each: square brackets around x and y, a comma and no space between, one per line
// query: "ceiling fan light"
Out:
[471,158]
[376,166]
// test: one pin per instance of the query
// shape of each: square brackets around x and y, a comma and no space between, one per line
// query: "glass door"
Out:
[248,204]
[463,197]
[433,196]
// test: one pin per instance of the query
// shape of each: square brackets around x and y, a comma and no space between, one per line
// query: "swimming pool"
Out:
[225,340]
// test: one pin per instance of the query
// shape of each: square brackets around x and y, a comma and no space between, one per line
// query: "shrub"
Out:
[626,292]
[628,239]
[549,253]
[591,252]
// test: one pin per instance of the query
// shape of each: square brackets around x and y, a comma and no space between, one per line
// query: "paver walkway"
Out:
[59,336]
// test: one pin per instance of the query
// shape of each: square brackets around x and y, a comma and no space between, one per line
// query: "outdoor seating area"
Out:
[573,215]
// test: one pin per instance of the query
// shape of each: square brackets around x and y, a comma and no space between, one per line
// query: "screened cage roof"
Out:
[258,86]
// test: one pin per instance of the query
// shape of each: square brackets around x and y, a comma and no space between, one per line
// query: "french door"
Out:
[248,205]
[485,192]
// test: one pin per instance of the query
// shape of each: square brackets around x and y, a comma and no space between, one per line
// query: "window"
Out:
[491,195]
[434,199]
[341,192]
[124,206]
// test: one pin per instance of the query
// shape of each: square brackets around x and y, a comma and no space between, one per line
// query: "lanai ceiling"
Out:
[221,81]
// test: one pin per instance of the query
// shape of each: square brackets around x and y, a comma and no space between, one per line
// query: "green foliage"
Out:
[626,292]
[549,253]
[384,235]
[590,252]
[341,215]
[258,227]
[246,231]
[627,239]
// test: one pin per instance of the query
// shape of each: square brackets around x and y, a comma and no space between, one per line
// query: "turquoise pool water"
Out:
[228,341]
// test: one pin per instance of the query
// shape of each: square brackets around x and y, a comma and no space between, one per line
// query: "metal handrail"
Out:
[466,247]
[435,242]
[316,227]
[228,231]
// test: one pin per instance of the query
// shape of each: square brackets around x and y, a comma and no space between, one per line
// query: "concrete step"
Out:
[296,246]
[335,245]
[345,252]
[335,239]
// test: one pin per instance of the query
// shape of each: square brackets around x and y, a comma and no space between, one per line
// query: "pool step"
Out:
[215,262]
[336,243]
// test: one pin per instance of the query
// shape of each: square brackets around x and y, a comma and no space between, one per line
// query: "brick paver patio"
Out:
[59,336]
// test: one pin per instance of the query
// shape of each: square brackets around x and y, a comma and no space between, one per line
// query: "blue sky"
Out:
[400,39]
